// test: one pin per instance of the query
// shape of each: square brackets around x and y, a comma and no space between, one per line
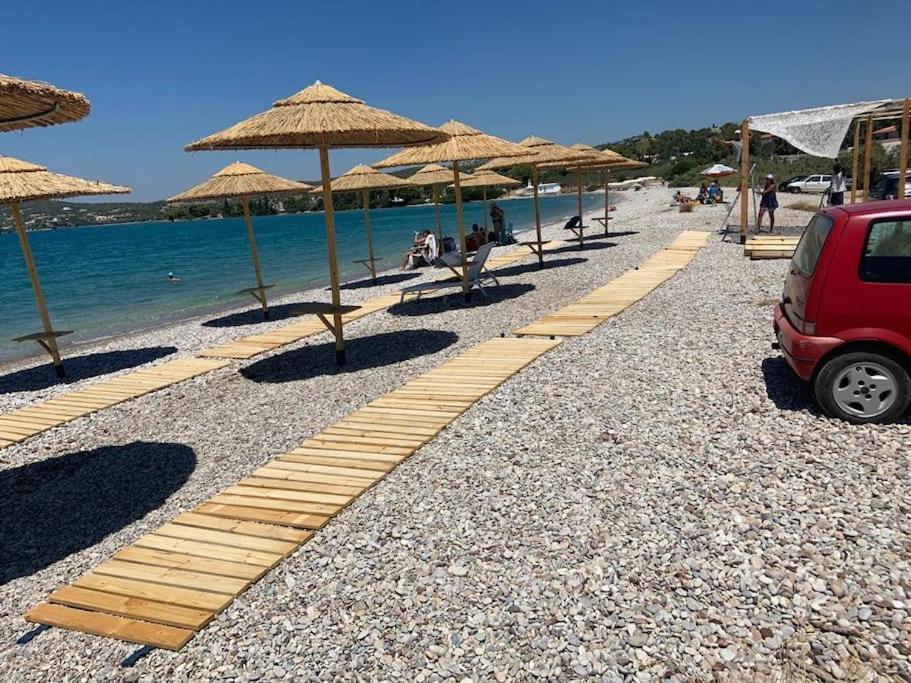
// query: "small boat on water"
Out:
[543,189]
[397,201]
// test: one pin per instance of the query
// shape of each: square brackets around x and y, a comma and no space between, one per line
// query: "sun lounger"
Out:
[477,275]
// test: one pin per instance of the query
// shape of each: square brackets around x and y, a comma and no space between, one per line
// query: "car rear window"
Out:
[887,252]
[806,256]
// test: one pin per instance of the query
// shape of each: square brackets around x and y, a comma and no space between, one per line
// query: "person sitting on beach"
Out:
[715,193]
[680,198]
[422,252]
[703,195]
[573,223]
[476,238]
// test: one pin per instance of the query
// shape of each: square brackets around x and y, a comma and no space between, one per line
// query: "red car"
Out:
[844,321]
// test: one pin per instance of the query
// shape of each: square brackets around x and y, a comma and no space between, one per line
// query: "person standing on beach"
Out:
[837,186]
[768,203]
[496,218]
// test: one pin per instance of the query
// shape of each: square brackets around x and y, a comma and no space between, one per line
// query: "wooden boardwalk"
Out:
[23,423]
[173,581]
[770,247]
[605,302]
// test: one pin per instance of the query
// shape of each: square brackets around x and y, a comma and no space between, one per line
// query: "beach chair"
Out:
[477,275]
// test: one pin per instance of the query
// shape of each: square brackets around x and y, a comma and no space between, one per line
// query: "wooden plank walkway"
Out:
[173,581]
[770,246]
[23,423]
[605,302]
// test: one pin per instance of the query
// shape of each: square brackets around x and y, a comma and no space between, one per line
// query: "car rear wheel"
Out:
[863,387]
[794,190]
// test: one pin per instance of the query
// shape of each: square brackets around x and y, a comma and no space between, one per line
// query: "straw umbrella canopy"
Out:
[604,159]
[321,117]
[31,104]
[242,180]
[362,179]
[464,144]
[437,176]
[485,179]
[22,181]
[539,151]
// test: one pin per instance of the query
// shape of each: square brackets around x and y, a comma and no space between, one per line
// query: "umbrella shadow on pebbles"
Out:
[784,388]
[435,303]
[253,316]
[512,271]
[391,279]
[81,367]
[590,245]
[60,506]
[364,353]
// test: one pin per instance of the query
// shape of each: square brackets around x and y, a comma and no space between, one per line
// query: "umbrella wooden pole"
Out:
[903,152]
[251,237]
[855,155]
[579,202]
[365,198]
[606,202]
[484,196]
[460,220]
[436,203]
[333,258]
[868,155]
[534,181]
[51,340]
[744,179]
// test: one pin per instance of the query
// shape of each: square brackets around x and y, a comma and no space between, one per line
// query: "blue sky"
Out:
[161,74]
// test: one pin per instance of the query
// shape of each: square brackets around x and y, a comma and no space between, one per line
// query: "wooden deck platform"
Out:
[21,424]
[770,247]
[605,302]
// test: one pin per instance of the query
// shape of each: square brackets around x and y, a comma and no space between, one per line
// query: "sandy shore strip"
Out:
[659,497]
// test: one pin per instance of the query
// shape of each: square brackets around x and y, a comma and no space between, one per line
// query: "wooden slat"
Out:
[133,608]
[111,626]
[205,565]
[168,594]
[179,578]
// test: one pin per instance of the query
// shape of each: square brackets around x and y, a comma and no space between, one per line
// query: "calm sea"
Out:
[106,280]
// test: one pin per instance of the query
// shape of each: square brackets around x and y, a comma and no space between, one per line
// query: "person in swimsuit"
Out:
[768,203]
[173,278]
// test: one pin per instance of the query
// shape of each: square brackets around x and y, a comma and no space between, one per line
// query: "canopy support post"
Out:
[606,204]
[436,203]
[868,154]
[365,199]
[744,179]
[534,181]
[484,197]
[333,259]
[579,203]
[903,153]
[251,237]
[51,340]
[460,220]
[855,156]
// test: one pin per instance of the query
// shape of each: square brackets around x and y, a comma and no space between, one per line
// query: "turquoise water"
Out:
[110,279]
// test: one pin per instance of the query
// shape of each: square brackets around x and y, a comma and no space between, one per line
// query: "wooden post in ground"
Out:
[484,205]
[333,258]
[606,201]
[744,180]
[251,237]
[460,221]
[855,156]
[903,153]
[436,203]
[365,199]
[579,203]
[868,155]
[534,181]
[51,340]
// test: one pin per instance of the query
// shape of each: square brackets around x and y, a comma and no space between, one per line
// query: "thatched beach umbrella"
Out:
[485,179]
[362,179]
[538,151]
[31,104]
[21,181]
[464,144]
[243,180]
[603,159]
[437,176]
[321,117]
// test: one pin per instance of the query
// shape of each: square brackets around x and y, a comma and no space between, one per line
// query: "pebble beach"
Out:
[657,500]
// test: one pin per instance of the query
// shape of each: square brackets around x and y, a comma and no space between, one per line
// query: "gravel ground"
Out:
[651,501]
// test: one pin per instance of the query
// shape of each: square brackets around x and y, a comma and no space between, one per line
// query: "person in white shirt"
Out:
[837,186]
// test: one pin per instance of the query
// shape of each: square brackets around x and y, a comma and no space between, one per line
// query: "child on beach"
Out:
[837,186]
[768,203]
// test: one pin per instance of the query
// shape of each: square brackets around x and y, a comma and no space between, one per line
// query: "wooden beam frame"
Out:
[903,153]
[333,257]
[254,253]
[855,158]
[365,200]
[744,180]
[868,154]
